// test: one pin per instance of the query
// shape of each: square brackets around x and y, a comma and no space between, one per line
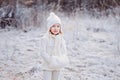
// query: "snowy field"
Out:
[92,45]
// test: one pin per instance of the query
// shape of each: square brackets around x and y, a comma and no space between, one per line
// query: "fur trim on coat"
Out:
[54,52]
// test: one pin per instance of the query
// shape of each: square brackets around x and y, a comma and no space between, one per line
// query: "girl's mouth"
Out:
[55,31]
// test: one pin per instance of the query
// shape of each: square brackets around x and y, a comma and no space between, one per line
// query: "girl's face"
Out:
[55,29]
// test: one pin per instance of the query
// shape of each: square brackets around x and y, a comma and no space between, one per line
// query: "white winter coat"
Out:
[53,52]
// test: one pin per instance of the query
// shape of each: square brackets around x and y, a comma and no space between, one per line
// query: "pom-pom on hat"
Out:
[52,19]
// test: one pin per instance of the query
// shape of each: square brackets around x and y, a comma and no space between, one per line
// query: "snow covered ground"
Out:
[91,43]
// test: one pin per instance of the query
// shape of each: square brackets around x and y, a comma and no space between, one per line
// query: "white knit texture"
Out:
[53,19]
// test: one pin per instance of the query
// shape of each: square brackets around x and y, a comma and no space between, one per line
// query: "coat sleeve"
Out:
[46,57]
[63,59]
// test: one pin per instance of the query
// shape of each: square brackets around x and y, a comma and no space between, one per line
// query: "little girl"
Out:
[53,52]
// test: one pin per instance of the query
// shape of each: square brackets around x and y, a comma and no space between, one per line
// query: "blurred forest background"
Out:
[13,12]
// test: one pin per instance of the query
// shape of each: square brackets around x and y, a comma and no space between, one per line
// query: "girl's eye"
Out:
[58,26]
[53,26]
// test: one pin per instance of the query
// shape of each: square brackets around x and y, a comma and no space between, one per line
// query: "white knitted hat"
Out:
[52,19]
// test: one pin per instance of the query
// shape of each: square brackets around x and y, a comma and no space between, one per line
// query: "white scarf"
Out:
[58,42]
